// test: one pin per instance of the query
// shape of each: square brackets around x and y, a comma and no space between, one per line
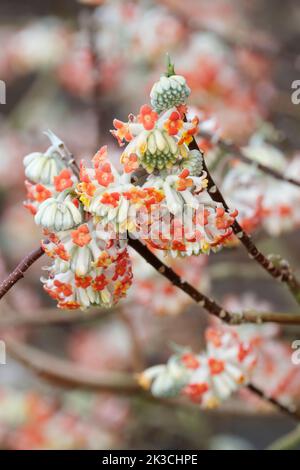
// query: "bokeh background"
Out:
[72,67]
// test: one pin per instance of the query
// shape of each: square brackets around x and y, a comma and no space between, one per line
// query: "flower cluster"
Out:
[32,421]
[207,378]
[262,201]
[87,269]
[88,213]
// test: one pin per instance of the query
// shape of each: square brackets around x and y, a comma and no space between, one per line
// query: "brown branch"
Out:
[63,373]
[252,316]
[18,272]
[136,346]
[230,147]
[53,316]
[65,376]
[205,302]
[291,411]
[208,304]
[281,274]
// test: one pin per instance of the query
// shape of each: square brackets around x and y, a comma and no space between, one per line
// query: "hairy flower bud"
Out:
[193,163]
[60,213]
[43,167]
[169,92]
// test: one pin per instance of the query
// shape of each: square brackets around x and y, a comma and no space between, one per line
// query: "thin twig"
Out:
[137,351]
[290,411]
[282,274]
[18,272]
[233,149]
[47,317]
[212,307]
[63,373]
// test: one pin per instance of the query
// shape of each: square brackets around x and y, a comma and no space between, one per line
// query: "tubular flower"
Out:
[194,163]
[102,191]
[103,286]
[165,380]
[158,150]
[63,180]
[169,92]
[208,378]
[36,194]
[86,218]
[43,168]
[47,173]
[186,221]
[59,213]
[82,250]
[147,117]
[158,143]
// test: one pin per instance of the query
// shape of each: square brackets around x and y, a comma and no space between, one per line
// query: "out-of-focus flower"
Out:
[261,200]
[208,378]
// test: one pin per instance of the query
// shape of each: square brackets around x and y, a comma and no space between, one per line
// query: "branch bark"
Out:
[231,148]
[284,275]
[18,272]
[63,373]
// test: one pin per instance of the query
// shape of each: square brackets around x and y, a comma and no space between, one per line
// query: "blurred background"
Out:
[72,67]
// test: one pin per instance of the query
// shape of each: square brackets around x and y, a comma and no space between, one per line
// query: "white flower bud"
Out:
[194,163]
[58,214]
[42,168]
[159,150]
[169,92]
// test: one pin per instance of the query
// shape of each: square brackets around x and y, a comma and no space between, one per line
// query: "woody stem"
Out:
[281,274]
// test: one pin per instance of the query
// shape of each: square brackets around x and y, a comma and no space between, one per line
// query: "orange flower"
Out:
[100,282]
[174,123]
[84,177]
[187,136]
[195,391]
[121,266]
[122,131]
[190,361]
[61,252]
[32,209]
[104,174]
[147,117]
[81,236]
[100,156]
[63,180]
[213,336]
[83,282]
[111,199]
[88,188]
[184,182]
[42,193]
[71,305]
[130,162]
[216,366]
[63,289]
[104,260]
